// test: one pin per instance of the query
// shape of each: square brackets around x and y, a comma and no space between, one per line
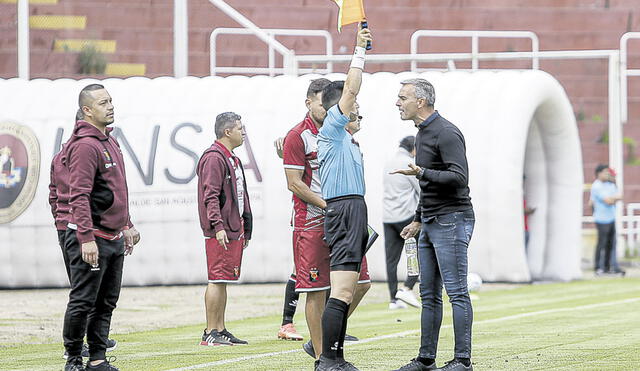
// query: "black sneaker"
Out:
[104,366]
[308,348]
[617,271]
[112,344]
[455,365]
[416,365]
[348,337]
[214,338]
[233,339]
[348,366]
[74,364]
[326,364]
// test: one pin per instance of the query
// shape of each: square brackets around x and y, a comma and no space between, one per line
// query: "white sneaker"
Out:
[407,297]
[398,304]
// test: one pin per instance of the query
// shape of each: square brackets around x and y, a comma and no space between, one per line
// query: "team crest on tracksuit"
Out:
[236,271]
[108,160]
[313,274]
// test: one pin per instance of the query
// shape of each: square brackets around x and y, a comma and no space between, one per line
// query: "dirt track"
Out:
[35,316]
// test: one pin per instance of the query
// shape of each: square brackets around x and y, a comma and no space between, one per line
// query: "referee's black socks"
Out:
[334,327]
[343,332]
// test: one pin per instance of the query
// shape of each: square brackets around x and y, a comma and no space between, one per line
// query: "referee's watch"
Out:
[420,173]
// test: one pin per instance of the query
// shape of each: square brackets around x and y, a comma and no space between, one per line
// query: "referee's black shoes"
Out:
[308,346]
[325,364]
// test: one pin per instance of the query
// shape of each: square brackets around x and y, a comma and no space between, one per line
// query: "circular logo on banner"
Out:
[19,169]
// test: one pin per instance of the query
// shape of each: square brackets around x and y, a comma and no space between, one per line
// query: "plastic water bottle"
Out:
[411,249]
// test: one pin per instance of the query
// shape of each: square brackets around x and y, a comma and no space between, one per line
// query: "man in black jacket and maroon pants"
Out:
[225,219]
[99,233]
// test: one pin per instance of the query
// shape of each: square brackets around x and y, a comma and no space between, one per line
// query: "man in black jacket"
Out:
[445,217]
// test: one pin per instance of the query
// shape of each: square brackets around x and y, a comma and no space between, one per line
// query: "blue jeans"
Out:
[442,254]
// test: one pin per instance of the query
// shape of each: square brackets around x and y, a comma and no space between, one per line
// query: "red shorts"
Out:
[223,265]
[311,258]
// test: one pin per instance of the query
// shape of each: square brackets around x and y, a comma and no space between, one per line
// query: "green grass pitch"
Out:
[585,325]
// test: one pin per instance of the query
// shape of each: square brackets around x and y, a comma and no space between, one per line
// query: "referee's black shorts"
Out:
[345,229]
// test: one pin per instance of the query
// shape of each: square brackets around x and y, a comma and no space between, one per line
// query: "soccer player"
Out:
[226,221]
[445,218]
[59,202]
[99,233]
[311,254]
[345,224]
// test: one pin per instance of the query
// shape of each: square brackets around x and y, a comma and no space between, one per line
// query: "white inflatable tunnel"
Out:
[514,122]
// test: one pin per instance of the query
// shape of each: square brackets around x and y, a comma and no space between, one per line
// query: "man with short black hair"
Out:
[342,184]
[226,221]
[445,220]
[99,232]
[60,209]
[301,170]
[604,195]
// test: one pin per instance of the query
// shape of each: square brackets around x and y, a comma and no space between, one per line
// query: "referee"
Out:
[445,218]
[342,185]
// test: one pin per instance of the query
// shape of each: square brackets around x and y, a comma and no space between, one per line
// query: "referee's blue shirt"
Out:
[341,170]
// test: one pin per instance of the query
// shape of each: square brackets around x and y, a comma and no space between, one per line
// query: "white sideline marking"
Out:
[409,332]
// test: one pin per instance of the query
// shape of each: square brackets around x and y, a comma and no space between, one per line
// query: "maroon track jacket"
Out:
[217,195]
[59,191]
[98,193]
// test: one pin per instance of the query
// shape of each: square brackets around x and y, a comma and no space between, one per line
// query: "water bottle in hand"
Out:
[411,249]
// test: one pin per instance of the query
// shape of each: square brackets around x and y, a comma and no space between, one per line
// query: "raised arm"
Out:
[354,76]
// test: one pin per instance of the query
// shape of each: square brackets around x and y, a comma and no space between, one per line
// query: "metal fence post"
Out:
[23,39]
[180,38]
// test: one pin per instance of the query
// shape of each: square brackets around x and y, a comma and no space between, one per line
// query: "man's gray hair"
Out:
[225,120]
[424,90]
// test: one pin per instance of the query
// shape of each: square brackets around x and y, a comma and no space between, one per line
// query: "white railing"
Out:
[23,39]
[475,35]
[628,231]
[287,54]
[180,38]
[271,70]
[633,228]
[625,72]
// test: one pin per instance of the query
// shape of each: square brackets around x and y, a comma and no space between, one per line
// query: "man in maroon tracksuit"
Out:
[225,218]
[98,235]
[59,202]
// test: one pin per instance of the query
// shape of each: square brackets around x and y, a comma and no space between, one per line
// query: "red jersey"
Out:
[300,151]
